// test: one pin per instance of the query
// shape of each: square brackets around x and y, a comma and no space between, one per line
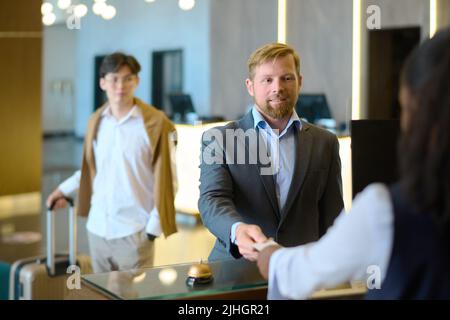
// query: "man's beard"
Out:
[283,111]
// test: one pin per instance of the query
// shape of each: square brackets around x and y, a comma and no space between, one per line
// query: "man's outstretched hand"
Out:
[246,236]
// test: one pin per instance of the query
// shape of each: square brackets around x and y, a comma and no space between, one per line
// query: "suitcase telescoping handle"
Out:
[51,236]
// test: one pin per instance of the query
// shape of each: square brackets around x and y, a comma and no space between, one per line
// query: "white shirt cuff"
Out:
[154,225]
[71,184]
[233,232]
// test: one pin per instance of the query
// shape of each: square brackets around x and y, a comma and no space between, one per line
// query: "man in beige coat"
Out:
[127,182]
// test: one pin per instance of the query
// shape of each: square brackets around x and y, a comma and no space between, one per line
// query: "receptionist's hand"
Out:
[264,260]
[246,236]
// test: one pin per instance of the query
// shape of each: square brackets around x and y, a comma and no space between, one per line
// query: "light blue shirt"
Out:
[282,151]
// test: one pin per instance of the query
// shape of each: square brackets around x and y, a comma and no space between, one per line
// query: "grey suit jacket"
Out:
[231,192]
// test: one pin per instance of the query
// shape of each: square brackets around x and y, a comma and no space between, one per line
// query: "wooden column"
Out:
[20,96]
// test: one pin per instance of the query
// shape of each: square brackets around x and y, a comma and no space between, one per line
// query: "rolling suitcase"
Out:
[47,277]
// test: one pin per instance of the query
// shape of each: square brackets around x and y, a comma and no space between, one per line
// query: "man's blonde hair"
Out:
[271,51]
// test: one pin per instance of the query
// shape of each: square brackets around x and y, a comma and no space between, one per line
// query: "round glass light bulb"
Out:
[186,4]
[80,10]
[109,12]
[46,8]
[49,19]
[64,4]
[99,8]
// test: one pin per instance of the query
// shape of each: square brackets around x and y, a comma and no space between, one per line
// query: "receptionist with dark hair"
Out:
[402,230]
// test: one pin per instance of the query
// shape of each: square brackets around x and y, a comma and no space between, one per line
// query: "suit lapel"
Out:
[267,180]
[303,145]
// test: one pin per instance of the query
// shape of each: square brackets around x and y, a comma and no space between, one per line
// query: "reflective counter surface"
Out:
[169,282]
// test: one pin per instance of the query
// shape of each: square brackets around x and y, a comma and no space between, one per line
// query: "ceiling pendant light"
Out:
[80,10]
[49,19]
[64,4]
[109,12]
[186,4]
[46,8]
[99,7]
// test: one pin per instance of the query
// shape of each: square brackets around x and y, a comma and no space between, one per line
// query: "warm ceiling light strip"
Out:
[356,61]
[282,21]
[433,17]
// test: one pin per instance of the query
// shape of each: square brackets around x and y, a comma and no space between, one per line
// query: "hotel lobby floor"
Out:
[22,219]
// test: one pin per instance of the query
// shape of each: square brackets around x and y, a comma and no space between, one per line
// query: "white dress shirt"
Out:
[122,200]
[281,147]
[356,241]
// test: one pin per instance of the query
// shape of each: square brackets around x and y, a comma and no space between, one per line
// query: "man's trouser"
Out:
[131,252]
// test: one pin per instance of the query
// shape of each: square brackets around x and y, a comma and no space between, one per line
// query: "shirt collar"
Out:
[259,121]
[134,112]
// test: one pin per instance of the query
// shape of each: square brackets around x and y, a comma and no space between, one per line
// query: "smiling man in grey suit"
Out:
[297,197]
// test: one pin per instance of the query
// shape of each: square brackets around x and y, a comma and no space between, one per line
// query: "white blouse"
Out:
[358,242]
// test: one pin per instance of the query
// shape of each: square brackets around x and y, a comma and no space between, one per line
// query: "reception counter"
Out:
[232,279]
